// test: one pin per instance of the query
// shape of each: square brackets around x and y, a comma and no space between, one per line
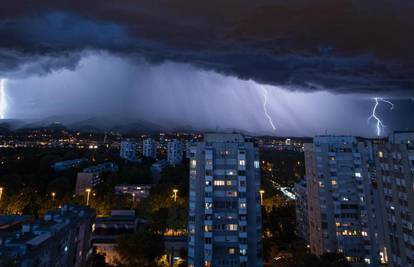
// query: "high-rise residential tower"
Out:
[341,199]
[175,152]
[395,177]
[128,150]
[224,207]
[149,148]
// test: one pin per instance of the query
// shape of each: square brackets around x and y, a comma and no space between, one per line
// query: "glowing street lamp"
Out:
[261,196]
[53,196]
[88,192]
[175,191]
[1,192]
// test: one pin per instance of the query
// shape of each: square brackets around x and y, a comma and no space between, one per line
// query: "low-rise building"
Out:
[68,164]
[108,229]
[92,176]
[135,192]
[61,238]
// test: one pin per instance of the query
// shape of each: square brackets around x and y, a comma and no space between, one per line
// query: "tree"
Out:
[141,248]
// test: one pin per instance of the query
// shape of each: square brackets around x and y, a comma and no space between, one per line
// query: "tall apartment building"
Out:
[149,148]
[343,213]
[395,177]
[175,152]
[128,150]
[301,210]
[224,208]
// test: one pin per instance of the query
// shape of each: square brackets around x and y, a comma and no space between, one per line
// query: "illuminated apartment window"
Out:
[256,164]
[231,172]
[219,182]
[229,183]
[193,163]
[358,174]
[380,154]
[243,205]
[334,182]
[232,250]
[242,162]
[208,228]
[232,227]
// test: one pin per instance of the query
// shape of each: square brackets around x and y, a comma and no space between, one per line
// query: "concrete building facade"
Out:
[128,150]
[395,177]
[341,199]
[175,152]
[224,206]
[149,148]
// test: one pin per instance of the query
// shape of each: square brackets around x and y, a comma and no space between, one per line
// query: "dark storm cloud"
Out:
[344,46]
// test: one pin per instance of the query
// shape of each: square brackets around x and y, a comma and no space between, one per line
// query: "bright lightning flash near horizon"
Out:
[3,103]
[269,118]
[380,126]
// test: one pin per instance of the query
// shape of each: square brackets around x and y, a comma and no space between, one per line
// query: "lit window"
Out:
[334,182]
[243,252]
[242,162]
[232,250]
[243,205]
[209,205]
[232,227]
[229,183]
[219,182]
[358,174]
[193,163]
[380,154]
[230,172]
[256,164]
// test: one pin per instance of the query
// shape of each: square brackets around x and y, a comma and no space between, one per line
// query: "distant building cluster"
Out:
[61,238]
[358,199]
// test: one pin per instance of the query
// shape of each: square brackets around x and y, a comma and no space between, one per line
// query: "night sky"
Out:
[210,64]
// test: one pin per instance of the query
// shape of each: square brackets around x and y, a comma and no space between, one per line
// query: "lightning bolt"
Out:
[380,126]
[265,109]
[3,103]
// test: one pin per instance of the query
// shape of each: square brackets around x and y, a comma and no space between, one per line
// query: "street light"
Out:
[88,191]
[53,196]
[261,196]
[1,192]
[175,191]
